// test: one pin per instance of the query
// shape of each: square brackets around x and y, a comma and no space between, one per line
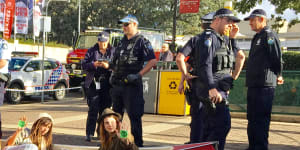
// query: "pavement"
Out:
[158,130]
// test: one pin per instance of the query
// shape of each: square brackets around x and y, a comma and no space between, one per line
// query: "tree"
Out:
[106,13]
[281,5]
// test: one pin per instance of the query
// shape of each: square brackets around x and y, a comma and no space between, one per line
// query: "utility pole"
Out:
[79,1]
[174,26]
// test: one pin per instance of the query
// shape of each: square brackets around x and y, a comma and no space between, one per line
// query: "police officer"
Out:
[97,81]
[263,73]
[214,57]
[196,124]
[128,68]
[5,56]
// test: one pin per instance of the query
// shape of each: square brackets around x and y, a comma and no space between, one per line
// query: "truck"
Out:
[83,41]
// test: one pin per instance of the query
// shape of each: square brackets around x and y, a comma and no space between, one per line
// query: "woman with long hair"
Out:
[111,135]
[40,135]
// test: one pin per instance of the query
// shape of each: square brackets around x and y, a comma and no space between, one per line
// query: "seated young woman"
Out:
[114,135]
[38,138]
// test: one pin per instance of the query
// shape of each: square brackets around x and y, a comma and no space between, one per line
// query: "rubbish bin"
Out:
[150,81]
[170,101]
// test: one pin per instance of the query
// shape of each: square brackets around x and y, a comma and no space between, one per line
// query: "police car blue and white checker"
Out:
[26,74]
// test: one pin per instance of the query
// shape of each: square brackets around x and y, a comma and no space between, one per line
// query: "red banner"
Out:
[189,6]
[9,18]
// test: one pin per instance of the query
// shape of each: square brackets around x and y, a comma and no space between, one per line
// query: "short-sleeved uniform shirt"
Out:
[206,44]
[142,52]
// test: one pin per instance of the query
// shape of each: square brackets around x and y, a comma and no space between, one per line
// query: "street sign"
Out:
[46,24]
[189,6]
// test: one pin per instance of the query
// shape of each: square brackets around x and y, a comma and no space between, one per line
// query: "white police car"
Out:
[26,74]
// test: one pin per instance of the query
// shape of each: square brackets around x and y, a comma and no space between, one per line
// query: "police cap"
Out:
[129,18]
[223,12]
[208,17]
[256,13]
[103,36]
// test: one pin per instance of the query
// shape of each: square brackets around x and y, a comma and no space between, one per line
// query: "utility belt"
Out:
[124,80]
[117,80]
[224,82]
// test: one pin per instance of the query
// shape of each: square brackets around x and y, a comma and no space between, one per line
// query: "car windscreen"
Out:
[87,41]
[16,64]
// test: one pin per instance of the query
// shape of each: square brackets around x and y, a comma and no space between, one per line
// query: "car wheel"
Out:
[61,91]
[14,97]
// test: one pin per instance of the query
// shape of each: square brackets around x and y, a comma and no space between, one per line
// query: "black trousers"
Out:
[97,101]
[259,108]
[2,91]
[130,97]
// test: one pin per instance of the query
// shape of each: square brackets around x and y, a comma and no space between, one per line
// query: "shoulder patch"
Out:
[207,42]
[271,41]
[148,45]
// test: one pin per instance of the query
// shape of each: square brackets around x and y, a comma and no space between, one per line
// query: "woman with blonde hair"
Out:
[113,134]
[38,138]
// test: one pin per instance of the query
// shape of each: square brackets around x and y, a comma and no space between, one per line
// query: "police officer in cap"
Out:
[97,81]
[5,56]
[128,68]
[214,55]
[264,68]
[196,124]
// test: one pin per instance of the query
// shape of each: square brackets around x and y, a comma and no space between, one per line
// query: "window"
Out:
[47,65]
[16,64]
[35,65]
[54,64]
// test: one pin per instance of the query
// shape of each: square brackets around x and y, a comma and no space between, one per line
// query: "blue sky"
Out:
[270,9]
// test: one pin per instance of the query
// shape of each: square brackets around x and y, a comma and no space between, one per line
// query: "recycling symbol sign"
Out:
[173,85]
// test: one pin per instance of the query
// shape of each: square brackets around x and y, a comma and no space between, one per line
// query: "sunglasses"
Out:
[126,24]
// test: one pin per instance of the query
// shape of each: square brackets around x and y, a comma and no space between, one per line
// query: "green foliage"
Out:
[286,95]
[244,6]
[291,60]
[106,13]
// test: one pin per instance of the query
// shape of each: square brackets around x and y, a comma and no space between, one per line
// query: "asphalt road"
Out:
[70,119]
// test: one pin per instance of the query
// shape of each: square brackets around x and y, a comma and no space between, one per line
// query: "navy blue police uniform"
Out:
[214,57]
[196,124]
[97,85]
[263,67]
[128,60]
[5,54]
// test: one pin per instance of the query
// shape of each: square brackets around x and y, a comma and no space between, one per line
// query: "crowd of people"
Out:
[114,80]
